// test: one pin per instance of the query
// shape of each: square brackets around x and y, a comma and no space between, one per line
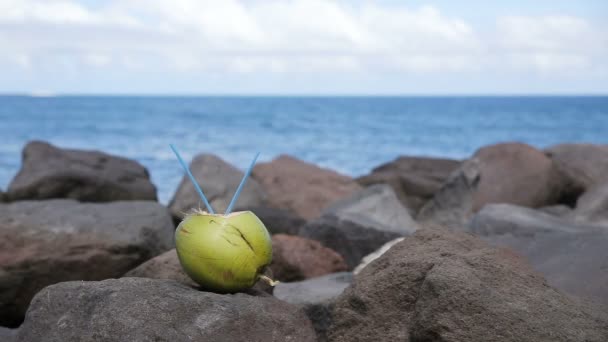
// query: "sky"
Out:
[303,47]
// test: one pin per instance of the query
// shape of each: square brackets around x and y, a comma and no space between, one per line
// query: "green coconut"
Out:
[224,253]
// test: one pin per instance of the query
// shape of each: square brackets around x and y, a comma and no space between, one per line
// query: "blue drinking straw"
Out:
[240,188]
[196,186]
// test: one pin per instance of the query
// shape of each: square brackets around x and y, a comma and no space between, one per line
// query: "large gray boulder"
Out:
[512,173]
[315,296]
[45,242]
[90,176]
[219,181]
[138,309]
[414,179]
[375,206]
[571,255]
[351,240]
[438,285]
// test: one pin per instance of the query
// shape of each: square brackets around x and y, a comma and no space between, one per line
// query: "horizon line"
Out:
[143,94]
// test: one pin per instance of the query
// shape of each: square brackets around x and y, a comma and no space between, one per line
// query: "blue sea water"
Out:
[348,134]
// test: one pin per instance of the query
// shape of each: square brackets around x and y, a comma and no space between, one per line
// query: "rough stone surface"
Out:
[279,221]
[297,258]
[167,266]
[138,309]
[375,255]
[374,206]
[571,255]
[219,181]
[51,172]
[453,203]
[414,179]
[350,240]
[45,242]
[512,173]
[315,296]
[592,206]
[164,266]
[559,210]
[304,188]
[584,164]
[448,286]
[7,335]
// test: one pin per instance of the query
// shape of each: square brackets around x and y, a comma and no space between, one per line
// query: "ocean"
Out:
[349,134]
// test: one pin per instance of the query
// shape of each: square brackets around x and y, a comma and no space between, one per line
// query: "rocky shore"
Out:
[510,244]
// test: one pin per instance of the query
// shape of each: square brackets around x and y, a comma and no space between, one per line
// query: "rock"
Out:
[414,179]
[315,296]
[45,242]
[592,206]
[7,335]
[584,164]
[350,240]
[304,188]
[138,309]
[219,181]
[2,196]
[297,258]
[512,173]
[446,286]
[375,206]
[164,266]
[375,255]
[453,203]
[279,221]
[571,255]
[167,266]
[90,176]
[559,210]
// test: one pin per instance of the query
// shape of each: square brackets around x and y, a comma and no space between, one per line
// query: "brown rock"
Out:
[414,179]
[90,176]
[45,242]
[584,164]
[296,258]
[511,173]
[445,286]
[219,181]
[164,266]
[304,188]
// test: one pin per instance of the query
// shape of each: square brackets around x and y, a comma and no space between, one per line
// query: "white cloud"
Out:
[296,36]
[552,43]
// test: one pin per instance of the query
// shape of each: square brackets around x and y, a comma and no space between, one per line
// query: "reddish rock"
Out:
[304,188]
[219,181]
[584,164]
[414,179]
[164,266]
[46,242]
[511,173]
[296,258]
